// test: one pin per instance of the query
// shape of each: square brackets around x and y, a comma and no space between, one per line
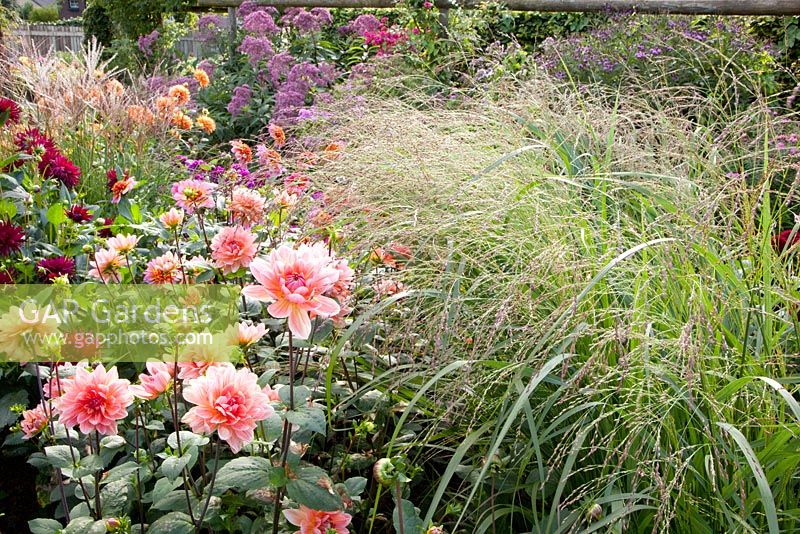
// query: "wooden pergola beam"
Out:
[684,7]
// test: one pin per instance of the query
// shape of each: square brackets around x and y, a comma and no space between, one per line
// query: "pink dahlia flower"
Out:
[233,248]
[192,195]
[172,219]
[344,285]
[228,401]
[155,382]
[316,522]
[295,281]
[165,269]
[190,370]
[247,207]
[106,265]
[249,334]
[95,401]
[123,243]
[34,421]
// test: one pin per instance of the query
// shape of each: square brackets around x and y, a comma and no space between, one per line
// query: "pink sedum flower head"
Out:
[316,522]
[172,219]
[295,281]
[192,195]
[106,265]
[34,421]
[228,401]
[95,400]
[155,382]
[249,333]
[232,248]
[123,243]
[247,207]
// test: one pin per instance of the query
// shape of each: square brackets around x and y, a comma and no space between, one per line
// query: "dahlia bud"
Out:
[87,249]
[435,530]
[112,524]
[384,471]
[594,512]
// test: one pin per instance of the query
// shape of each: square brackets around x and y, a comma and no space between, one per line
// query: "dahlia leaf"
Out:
[313,496]
[172,523]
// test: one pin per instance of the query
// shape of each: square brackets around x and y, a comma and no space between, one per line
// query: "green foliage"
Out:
[97,24]
[132,18]
[44,14]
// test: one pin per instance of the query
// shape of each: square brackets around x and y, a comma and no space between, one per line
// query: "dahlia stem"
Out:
[48,410]
[97,502]
[211,484]
[138,478]
[286,439]
[399,492]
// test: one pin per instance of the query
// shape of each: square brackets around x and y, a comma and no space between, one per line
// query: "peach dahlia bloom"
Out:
[233,248]
[229,401]
[202,78]
[34,421]
[206,123]
[277,134]
[180,93]
[155,382]
[172,219]
[316,522]
[165,269]
[121,188]
[249,333]
[123,243]
[295,281]
[106,265]
[241,151]
[192,195]
[95,401]
[247,207]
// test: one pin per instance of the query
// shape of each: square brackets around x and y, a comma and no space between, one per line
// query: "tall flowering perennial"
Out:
[95,401]
[228,401]
[295,282]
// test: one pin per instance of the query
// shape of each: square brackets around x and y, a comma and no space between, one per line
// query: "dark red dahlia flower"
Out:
[79,214]
[7,275]
[28,141]
[107,222]
[49,269]
[56,166]
[112,178]
[11,238]
[781,241]
[10,110]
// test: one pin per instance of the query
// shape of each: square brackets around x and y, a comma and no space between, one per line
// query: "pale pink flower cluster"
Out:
[228,401]
[232,248]
[94,401]
[247,207]
[295,282]
[192,195]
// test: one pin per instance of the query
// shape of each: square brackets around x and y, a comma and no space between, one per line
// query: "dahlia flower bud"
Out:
[594,512]
[384,471]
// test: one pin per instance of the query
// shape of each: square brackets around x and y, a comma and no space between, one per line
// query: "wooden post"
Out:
[685,7]
[232,35]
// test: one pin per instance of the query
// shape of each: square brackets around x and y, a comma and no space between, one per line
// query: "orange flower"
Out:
[115,88]
[332,151]
[141,115]
[180,93]
[277,134]
[181,120]
[202,78]
[165,105]
[242,152]
[206,123]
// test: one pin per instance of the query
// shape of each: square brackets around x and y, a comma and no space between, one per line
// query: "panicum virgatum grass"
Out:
[603,271]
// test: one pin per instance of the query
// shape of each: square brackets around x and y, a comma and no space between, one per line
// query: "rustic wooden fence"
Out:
[45,37]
